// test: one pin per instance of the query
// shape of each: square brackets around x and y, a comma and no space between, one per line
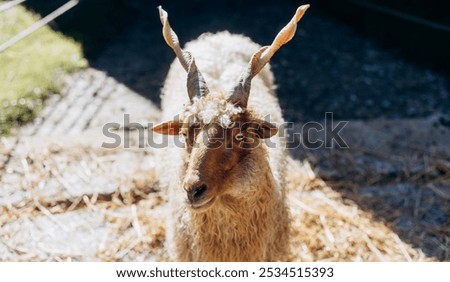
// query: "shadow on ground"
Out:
[328,67]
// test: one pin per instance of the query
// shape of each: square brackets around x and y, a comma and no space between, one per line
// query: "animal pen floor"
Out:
[386,198]
[64,197]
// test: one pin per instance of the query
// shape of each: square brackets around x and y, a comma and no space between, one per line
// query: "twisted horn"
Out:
[240,93]
[196,84]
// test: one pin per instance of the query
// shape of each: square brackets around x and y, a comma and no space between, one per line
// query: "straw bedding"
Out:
[120,216]
[65,198]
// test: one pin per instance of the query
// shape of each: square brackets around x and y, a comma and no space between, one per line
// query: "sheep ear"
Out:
[168,128]
[262,129]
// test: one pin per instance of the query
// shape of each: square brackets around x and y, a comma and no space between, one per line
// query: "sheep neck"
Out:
[238,225]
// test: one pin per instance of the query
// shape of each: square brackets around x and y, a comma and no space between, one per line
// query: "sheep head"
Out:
[219,130]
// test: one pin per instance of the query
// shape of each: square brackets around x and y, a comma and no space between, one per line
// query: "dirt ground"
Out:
[384,198]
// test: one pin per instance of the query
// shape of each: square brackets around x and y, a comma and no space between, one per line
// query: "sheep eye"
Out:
[239,137]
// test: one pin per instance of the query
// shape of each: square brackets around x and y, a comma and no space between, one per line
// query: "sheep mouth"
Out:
[202,204]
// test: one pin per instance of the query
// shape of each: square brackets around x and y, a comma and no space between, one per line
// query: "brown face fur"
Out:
[214,154]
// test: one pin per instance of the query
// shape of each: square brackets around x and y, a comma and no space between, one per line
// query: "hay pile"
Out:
[329,228]
[71,200]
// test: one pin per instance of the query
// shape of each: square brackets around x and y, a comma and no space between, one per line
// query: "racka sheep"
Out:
[225,186]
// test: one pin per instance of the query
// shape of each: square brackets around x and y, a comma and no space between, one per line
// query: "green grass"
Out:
[32,68]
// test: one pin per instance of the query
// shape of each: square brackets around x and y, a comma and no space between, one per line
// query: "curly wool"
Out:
[251,227]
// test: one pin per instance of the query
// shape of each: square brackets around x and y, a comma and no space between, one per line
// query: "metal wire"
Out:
[10,4]
[401,15]
[37,25]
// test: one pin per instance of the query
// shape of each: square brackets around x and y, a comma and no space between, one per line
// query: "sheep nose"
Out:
[196,193]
